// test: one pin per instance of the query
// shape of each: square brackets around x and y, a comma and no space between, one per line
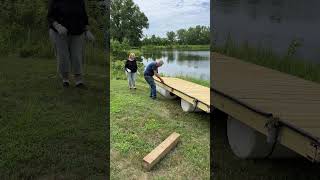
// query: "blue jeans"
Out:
[152,85]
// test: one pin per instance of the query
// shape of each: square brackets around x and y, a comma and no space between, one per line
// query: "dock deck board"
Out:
[196,91]
[294,100]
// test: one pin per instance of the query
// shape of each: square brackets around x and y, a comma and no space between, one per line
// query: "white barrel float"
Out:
[166,93]
[188,107]
[248,143]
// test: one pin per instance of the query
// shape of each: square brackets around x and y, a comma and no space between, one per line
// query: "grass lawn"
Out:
[48,132]
[138,124]
[228,167]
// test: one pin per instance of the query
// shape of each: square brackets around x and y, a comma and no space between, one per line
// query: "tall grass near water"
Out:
[288,63]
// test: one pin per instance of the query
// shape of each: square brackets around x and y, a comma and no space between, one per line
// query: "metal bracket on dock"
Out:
[272,126]
[316,158]
[195,104]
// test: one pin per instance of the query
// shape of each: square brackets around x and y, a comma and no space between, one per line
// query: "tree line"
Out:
[199,35]
[127,22]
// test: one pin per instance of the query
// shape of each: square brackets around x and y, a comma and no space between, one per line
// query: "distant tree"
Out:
[199,35]
[194,35]
[171,36]
[181,33]
[127,21]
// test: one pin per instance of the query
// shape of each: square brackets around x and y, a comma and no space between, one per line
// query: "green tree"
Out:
[181,33]
[127,21]
[171,35]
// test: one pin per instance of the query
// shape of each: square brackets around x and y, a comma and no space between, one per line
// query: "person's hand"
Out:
[61,29]
[89,36]
[161,80]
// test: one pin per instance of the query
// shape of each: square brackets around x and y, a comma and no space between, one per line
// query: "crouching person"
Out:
[152,70]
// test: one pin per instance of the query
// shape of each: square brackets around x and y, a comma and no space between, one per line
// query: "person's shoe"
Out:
[81,86]
[65,83]
[154,97]
[134,87]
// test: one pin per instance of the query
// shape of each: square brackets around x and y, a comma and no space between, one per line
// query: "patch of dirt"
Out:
[126,169]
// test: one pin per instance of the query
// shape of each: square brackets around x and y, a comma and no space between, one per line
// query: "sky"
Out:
[171,15]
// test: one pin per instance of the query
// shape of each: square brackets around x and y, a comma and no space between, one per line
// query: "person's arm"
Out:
[88,34]
[158,76]
[126,66]
[51,16]
[86,18]
[52,19]
[135,65]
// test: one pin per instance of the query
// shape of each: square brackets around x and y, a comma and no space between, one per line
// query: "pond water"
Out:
[270,23]
[194,64]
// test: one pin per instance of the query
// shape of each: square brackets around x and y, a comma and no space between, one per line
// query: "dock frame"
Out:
[293,138]
[291,135]
[192,100]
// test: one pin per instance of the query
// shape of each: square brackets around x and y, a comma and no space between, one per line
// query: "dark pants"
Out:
[152,85]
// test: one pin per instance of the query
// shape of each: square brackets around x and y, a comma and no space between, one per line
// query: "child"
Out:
[131,70]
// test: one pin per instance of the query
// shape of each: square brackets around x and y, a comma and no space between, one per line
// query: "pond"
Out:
[270,23]
[195,64]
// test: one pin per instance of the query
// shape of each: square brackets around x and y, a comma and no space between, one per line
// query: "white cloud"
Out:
[171,15]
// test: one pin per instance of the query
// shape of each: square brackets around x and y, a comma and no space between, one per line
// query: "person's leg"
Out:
[147,78]
[153,88]
[134,77]
[77,44]
[130,79]
[63,57]
[53,39]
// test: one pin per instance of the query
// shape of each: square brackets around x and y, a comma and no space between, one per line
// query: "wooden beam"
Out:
[160,151]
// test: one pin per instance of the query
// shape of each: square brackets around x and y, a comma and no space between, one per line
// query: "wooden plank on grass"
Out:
[161,150]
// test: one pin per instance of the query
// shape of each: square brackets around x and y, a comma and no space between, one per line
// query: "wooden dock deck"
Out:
[191,92]
[257,95]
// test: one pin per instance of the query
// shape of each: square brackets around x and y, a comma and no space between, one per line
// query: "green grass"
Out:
[287,63]
[205,83]
[228,166]
[179,47]
[48,132]
[138,124]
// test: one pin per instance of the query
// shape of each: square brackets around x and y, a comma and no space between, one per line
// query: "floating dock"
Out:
[193,96]
[283,108]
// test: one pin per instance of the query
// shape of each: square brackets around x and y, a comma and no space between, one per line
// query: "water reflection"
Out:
[187,63]
[270,23]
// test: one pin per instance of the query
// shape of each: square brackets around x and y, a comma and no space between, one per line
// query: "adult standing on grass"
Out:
[69,21]
[131,70]
[152,70]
